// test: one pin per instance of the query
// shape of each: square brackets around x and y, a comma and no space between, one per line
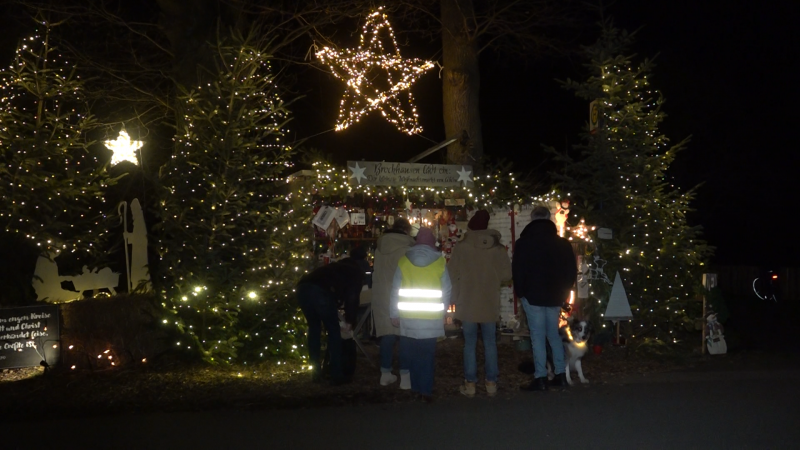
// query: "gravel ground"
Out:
[171,386]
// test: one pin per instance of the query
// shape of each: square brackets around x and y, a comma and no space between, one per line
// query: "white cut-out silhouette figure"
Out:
[93,280]
[47,282]
[135,247]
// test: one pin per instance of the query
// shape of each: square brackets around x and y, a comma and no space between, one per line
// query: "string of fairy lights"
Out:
[236,236]
[233,245]
[657,252]
[388,93]
[332,185]
[50,177]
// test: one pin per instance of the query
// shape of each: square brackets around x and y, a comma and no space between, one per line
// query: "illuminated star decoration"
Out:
[358,173]
[376,80]
[464,175]
[124,148]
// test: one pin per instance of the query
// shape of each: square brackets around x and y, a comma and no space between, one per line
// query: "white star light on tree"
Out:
[124,149]
[376,80]
[358,173]
[464,175]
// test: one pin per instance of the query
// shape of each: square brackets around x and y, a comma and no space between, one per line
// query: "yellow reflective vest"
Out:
[420,295]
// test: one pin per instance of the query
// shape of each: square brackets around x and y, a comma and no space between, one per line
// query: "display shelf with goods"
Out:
[444,209]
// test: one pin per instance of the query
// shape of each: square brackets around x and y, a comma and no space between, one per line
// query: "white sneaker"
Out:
[388,378]
[405,381]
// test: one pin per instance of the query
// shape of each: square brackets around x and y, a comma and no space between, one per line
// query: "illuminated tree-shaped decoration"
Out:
[123,148]
[52,187]
[619,181]
[377,79]
[231,243]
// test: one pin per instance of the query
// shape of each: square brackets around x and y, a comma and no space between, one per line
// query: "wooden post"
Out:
[703,334]
[618,342]
[513,215]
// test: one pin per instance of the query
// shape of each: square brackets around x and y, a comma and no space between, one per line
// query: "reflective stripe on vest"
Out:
[420,295]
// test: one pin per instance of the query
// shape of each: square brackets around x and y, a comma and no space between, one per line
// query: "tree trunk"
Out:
[461,82]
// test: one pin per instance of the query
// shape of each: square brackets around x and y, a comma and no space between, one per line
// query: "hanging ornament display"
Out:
[377,77]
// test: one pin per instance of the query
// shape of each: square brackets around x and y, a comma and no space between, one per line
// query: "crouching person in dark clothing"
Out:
[321,293]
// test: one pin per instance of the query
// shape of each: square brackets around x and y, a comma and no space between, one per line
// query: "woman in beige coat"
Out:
[391,247]
[479,265]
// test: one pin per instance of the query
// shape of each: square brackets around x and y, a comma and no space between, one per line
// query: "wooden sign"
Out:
[594,116]
[28,336]
[618,307]
[408,174]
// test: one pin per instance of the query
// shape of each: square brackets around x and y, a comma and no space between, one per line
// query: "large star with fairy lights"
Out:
[377,80]
[124,148]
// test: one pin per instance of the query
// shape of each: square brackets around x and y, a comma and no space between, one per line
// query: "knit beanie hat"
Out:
[401,224]
[480,221]
[540,213]
[359,253]
[426,237]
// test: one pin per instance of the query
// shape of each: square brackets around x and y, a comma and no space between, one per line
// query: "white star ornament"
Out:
[358,173]
[464,175]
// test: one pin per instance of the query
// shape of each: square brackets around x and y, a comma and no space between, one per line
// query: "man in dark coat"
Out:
[544,271]
[321,293]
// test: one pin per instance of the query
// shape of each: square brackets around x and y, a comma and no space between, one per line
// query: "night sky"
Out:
[726,70]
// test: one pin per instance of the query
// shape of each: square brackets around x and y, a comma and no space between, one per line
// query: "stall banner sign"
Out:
[28,336]
[373,173]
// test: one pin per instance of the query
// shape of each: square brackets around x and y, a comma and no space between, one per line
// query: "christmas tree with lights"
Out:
[618,180]
[52,189]
[232,241]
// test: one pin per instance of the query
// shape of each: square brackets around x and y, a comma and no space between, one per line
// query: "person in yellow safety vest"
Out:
[419,298]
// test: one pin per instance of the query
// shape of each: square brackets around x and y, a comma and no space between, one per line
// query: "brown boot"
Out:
[467,389]
[491,388]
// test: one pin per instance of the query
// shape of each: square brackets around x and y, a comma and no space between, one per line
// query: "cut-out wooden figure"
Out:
[618,307]
[715,337]
[47,282]
[135,247]
[96,279]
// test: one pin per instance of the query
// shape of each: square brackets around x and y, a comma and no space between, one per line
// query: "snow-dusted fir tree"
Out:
[618,179]
[231,242]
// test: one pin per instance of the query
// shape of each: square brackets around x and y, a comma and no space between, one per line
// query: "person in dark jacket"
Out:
[321,293]
[544,271]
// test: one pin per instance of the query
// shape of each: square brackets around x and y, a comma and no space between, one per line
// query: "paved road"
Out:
[706,409]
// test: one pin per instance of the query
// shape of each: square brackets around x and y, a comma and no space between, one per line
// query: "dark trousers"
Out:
[420,355]
[319,307]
